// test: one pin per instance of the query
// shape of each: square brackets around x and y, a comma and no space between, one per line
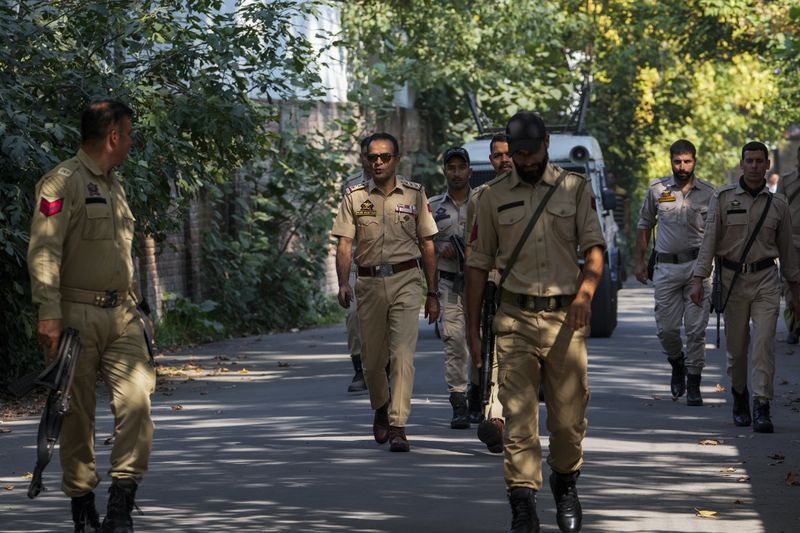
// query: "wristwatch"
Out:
[435,294]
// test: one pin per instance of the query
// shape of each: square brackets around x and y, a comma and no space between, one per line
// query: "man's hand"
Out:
[49,333]
[475,349]
[431,309]
[345,295]
[446,250]
[696,292]
[640,271]
[580,312]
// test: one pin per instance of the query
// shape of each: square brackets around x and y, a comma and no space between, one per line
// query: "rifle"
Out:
[716,292]
[487,341]
[458,244]
[58,377]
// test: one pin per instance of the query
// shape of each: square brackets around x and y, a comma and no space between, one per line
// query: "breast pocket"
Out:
[771,227]
[367,228]
[408,223]
[668,211]
[563,219]
[698,215]
[99,225]
[736,225]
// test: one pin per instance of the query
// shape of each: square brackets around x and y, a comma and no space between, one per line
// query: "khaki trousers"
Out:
[452,325]
[388,312]
[674,308]
[757,298]
[789,317]
[112,342]
[353,328]
[534,349]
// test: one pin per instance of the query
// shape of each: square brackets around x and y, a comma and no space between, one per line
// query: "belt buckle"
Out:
[745,268]
[552,304]
[110,299]
[384,270]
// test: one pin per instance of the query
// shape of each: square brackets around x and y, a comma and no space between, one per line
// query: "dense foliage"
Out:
[203,83]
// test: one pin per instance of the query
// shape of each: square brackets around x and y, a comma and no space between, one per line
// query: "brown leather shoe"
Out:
[397,439]
[380,424]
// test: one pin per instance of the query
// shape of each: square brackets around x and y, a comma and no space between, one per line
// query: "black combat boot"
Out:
[762,423]
[84,514]
[358,384]
[523,510]
[693,396]
[121,501]
[460,411]
[741,407]
[568,507]
[475,403]
[677,384]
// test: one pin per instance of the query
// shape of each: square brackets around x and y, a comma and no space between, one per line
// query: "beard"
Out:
[682,176]
[533,173]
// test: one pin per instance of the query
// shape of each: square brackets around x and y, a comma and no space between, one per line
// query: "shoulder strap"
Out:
[529,228]
[747,247]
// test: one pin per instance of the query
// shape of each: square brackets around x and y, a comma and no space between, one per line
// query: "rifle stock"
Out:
[487,341]
[458,244]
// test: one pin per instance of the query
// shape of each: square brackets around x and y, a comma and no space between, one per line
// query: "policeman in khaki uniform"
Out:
[81,271]
[490,429]
[732,217]
[542,321]
[390,222]
[450,213]
[789,186]
[678,204]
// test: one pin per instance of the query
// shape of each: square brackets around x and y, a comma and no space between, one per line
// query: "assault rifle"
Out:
[458,245]
[58,377]
[717,302]
[487,341]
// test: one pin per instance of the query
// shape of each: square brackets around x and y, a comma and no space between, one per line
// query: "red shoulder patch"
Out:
[474,233]
[48,208]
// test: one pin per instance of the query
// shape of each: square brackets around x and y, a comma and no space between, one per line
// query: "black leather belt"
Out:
[382,271]
[757,266]
[683,257]
[450,276]
[537,304]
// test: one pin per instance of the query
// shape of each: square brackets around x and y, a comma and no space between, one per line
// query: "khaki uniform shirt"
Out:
[548,262]
[681,218]
[732,216]
[789,186]
[450,220]
[81,234]
[386,229]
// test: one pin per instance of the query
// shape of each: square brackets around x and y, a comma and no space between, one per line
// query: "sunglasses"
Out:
[385,158]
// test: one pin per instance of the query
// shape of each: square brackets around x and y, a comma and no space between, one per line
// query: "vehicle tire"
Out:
[604,308]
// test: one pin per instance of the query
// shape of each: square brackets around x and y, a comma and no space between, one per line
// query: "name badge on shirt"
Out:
[666,196]
[405,208]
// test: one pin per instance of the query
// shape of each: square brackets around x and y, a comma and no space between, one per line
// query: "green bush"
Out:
[183,322]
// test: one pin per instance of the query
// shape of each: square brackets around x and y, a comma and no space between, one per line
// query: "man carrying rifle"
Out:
[530,223]
[748,229]
[677,205]
[81,271]
[450,213]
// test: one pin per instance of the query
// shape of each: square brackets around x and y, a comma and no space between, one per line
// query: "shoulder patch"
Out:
[411,184]
[64,171]
[437,198]
[357,187]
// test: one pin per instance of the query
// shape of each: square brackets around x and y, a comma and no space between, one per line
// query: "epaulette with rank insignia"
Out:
[358,187]
[437,198]
[498,179]
[411,184]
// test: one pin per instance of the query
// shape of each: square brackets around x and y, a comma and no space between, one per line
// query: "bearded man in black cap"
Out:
[543,317]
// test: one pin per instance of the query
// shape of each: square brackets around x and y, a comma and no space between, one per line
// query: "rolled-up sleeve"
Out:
[484,243]
[647,213]
[343,225]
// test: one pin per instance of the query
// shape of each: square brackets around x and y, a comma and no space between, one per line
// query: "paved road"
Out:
[283,448]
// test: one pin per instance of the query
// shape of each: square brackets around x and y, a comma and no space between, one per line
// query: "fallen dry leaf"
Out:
[176,407]
[784,382]
[743,479]
[28,475]
[738,502]
[281,364]
[705,514]
[710,442]
[719,388]
[792,479]
[9,487]
[729,469]
[5,430]
[244,371]
[778,456]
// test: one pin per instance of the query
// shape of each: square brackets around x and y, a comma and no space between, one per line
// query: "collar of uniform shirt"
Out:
[90,164]
[674,183]
[549,177]
[746,188]
[371,186]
